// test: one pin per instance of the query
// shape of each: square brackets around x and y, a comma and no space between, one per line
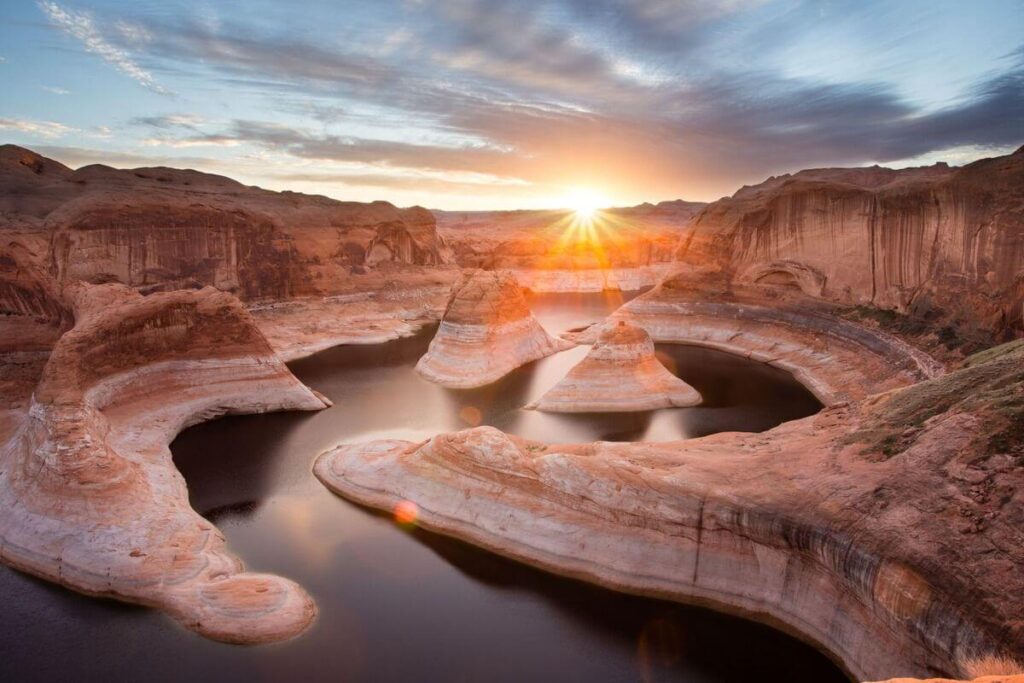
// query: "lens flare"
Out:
[471,415]
[406,513]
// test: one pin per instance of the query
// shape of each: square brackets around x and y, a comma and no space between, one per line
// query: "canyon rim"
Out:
[406,340]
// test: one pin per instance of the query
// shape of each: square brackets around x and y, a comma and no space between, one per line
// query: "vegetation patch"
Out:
[991,385]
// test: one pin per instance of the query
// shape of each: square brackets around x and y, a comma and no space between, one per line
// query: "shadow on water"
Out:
[398,605]
[672,641]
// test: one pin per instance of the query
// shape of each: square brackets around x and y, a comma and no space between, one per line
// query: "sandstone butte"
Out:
[886,529]
[619,374]
[487,332]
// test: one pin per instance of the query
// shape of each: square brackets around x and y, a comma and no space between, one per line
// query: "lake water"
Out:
[400,605]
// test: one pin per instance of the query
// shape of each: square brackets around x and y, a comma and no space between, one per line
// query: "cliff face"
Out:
[160,229]
[937,241]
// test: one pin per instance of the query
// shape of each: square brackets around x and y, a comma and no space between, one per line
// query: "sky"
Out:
[502,104]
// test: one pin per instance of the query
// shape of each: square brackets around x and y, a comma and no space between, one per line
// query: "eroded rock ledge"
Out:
[487,331]
[887,531]
[621,373]
[838,360]
[89,496]
[379,310]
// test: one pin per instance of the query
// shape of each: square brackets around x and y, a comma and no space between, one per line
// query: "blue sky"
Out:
[508,103]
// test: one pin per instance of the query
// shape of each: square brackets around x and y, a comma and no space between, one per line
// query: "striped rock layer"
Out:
[487,331]
[620,374]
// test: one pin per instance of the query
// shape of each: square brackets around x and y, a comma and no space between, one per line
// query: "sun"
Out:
[585,203]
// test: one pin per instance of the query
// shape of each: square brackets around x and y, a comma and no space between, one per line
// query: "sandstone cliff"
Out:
[945,244]
[160,228]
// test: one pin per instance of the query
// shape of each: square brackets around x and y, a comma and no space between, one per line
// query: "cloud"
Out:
[54,90]
[169,121]
[76,157]
[239,52]
[197,141]
[45,129]
[416,183]
[81,26]
[617,95]
[305,145]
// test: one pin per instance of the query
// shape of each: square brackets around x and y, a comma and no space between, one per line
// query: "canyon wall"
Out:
[939,243]
[159,229]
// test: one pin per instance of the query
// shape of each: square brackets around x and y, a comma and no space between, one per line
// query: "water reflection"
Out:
[397,604]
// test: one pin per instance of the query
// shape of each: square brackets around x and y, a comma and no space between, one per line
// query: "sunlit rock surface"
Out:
[837,359]
[487,331]
[557,251]
[887,531]
[162,228]
[376,311]
[89,496]
[619,374]
[942,242]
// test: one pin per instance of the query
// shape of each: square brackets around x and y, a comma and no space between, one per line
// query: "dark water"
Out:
[397,605]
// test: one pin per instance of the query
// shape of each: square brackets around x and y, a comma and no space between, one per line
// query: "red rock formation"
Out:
[487,331]
[161,228]
[626,248]
[887,531]
[837,359]
[620,373]
[89,496]
[938,240]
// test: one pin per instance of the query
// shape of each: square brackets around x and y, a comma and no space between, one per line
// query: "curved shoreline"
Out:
[837,360]
[690,521]
[89,496]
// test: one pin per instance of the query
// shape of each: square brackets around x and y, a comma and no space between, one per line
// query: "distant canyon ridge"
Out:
[937,243]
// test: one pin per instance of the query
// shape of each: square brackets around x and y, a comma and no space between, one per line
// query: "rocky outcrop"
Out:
[377,311]
[555,251]
[486,332]
[161,229]
[942,242]
[89,496]
[886,531]
[837,359]
[619,374]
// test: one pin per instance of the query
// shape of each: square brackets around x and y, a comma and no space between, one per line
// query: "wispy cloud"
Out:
[44,129]
[55,90]
[657,98]
[82,26]
[197,141]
